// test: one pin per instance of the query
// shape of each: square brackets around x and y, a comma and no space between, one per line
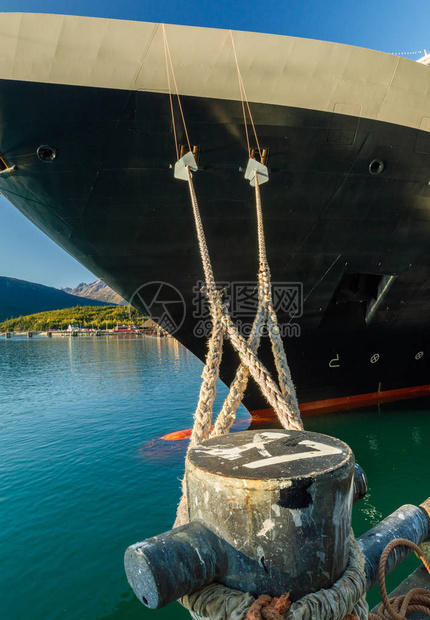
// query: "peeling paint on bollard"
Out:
[164,568]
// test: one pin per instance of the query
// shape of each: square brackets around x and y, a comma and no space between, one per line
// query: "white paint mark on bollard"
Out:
[268,525]
[235,452]
[276,509]
[259,444]
[320,448]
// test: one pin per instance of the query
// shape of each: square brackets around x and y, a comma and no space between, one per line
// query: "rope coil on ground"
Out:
[416,599]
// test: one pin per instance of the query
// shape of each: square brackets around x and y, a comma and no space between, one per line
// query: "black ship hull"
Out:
[347,218]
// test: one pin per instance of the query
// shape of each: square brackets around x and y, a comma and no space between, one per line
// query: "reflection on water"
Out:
[369,511]
[373,442]
[84,474]
[76,490]
[416,436]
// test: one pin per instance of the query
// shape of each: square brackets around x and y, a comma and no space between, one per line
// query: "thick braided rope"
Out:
[217,602]
[265,313]
[238,386]
[204,409]
[285,380]
[346,596]
[284,376]
[257,370]
[211,291]
[203,413]
[261,376]
[207,395]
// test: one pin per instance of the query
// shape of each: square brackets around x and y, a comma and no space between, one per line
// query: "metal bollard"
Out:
[270,511]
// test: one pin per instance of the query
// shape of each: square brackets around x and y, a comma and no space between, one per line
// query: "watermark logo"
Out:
[242,301]
[163,303]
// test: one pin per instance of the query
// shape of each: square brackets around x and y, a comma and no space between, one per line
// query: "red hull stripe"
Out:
[346,403]
[331,405]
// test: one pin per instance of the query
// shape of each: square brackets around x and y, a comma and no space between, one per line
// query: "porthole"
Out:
[376,166]
[46,153]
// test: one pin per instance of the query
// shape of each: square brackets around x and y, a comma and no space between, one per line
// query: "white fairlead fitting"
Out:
[10,169]
[187,161]
[255,168]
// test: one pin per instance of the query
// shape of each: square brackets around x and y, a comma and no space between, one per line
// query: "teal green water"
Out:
[83,474]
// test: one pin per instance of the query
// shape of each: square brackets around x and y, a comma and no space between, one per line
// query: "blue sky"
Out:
[388,25]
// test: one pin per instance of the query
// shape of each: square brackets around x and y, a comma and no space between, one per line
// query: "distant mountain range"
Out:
[19,298]
[96,290]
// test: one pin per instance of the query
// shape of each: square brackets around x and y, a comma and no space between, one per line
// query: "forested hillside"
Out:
[101,317]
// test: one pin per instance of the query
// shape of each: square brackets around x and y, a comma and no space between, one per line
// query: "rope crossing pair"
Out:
[283,399]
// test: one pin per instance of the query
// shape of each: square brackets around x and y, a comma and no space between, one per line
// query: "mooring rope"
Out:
[346,596]
[168,58]
[244,100]
[290,418]
[284,401]
[238,386]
